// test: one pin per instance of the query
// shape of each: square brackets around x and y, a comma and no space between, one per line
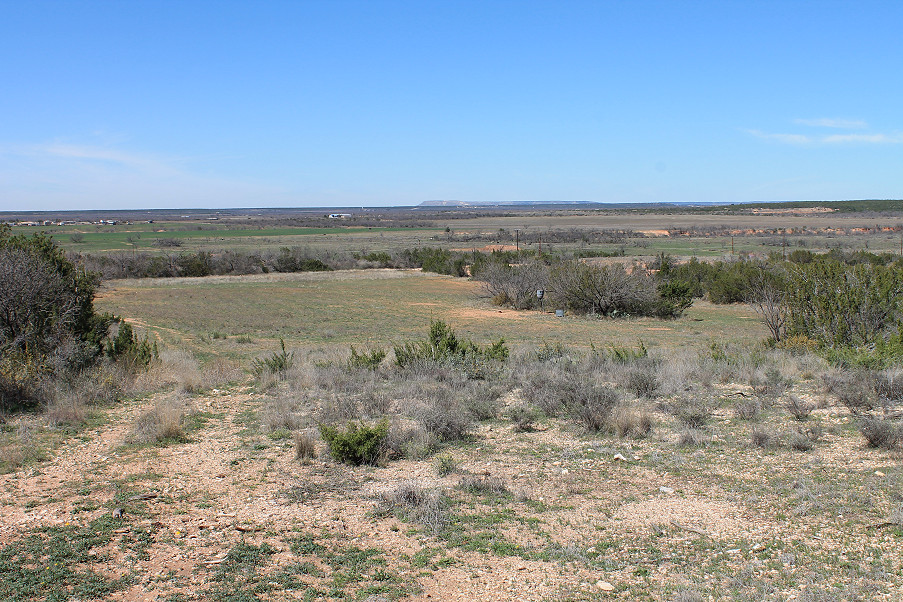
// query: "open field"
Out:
[727,497]
[382,307]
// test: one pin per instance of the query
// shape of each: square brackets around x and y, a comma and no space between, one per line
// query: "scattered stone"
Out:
[879,473]
[666,490]
[621,458]
[758,547]
[605,586]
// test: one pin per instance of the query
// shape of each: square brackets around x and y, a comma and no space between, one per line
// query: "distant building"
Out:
[339,215]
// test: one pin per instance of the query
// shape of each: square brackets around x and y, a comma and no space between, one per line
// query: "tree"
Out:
[48,326]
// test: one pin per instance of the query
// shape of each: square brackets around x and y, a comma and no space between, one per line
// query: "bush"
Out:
[524,418]
[446,418]
[358,444]
[277,364]
[798,408]
[48,327]
[161,425]
[442,345]
[881,433]
[593,406]
[368,360]
[845,307]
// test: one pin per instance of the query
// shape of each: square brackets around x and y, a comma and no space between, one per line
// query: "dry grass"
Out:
[164,423]
[305,447]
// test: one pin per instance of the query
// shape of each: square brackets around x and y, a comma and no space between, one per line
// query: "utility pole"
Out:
[517,239]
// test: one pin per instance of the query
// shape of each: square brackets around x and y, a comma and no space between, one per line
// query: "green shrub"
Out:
[369,360]
[125,346]
[359,443]
[442,345]
[278,363]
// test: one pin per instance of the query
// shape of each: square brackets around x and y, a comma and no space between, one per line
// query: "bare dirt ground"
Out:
[231,514]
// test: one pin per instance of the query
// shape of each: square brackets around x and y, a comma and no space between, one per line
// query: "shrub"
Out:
[368,360]
[442,345]
[798,408]
[748,409]
[484,484]
[126,347]
[692,437]
[805,439]
[276,364]
[762,438]
[604,290]
[445,417]
[845,306]
[445,465]
[593,405]
[523,418]
[881,433]
[48,326]
[693,414]
[163,424]
[359,443]
[641,379]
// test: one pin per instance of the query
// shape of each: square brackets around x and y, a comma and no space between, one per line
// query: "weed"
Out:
[485,484]
[445,465]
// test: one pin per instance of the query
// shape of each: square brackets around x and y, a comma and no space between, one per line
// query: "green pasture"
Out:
[381,307]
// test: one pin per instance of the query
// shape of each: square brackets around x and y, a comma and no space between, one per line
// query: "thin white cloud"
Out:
[863,138]
[843,124]
[830,139]
[785,138]
[61,175]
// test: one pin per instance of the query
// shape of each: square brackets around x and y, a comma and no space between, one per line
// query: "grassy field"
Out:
[381,307]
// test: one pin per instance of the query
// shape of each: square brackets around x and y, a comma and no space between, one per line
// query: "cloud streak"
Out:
[828,139]
[59,175]
[843,124]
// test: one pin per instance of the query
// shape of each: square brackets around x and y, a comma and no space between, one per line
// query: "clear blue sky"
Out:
[133,104]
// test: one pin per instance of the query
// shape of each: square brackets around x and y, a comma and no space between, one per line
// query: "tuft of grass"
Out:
[410,502]
[161,425]
[305,447]
[630,422]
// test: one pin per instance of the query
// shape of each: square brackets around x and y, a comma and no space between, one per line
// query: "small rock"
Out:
[758,547]
[878,473]
[620,457]
[733,551]
[605,586]
[667,490]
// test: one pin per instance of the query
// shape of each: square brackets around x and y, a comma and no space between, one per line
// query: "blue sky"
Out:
[186,103]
